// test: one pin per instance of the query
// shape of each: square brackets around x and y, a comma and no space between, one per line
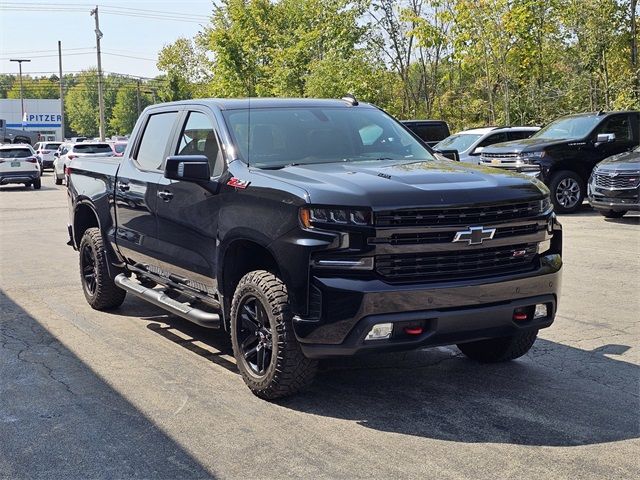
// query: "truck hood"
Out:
[623,162]
[391,184]
[524,145]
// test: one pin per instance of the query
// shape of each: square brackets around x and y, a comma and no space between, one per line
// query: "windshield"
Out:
[93,148]
[459,142]
[276,137]
[15,153]
[568,128]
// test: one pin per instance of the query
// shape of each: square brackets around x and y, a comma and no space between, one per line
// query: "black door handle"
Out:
[123,187]
[165,195]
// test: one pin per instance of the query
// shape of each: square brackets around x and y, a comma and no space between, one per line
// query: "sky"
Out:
[31,29]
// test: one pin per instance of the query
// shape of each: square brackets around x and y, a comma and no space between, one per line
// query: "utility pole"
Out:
[61,89]
[138,95]
[94,13]
[20,60]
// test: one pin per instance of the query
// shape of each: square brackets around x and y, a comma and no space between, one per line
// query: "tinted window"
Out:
[618,125]
[154,140]
[569,127]
[51,146]
[15,153]
[199,138]
[430,132]
[494,138]
[92,148]
[274,137]
[520,135]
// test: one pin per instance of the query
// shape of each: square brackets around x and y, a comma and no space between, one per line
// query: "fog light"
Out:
[541,311]
[380,331]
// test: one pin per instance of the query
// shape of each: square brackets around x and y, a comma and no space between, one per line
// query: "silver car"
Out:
[69,151]
[469,143]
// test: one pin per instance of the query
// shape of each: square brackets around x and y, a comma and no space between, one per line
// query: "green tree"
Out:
[125,110]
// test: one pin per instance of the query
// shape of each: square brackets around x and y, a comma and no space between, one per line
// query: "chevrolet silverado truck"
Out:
[310,229]
[564,153]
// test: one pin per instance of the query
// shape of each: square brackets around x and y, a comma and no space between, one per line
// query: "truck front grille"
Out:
[621,181]
[457,265]
[457,216]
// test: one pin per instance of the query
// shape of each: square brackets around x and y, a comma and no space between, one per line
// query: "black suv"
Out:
[429,131]
[311,229]
[564,152]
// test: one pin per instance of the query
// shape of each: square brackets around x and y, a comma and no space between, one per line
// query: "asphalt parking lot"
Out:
[139,393]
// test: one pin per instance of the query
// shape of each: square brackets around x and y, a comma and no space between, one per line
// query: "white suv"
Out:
[469,143]
[45,151]
[69,151]
[19,164]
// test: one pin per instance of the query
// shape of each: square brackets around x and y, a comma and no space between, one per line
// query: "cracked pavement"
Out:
[137,393]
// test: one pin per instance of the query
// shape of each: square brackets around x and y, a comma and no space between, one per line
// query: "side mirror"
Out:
[477,151]
[606,138]
[188,168]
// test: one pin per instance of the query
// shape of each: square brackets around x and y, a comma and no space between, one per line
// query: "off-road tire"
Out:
[501,349]
[106,294]
[289,370]
[612,213]
[37,184]
[559,177]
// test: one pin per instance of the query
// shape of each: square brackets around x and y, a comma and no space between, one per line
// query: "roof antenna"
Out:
[350,99]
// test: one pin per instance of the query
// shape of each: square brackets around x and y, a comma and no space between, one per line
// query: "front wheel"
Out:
[567,191]
[500,349]
[612,213]
[99,288]
[264,345]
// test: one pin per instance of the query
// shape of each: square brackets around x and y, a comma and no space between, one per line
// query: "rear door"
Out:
[188,212]
[136,190]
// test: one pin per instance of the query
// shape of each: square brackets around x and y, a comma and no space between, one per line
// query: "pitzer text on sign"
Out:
[43,117]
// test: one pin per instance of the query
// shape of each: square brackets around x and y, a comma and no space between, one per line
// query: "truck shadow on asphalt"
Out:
[557,395]
[59,419]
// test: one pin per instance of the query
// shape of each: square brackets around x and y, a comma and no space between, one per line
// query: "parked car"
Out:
[429,131]
[614,186]
[45,152]
[69,151]
[19,164]
[563,153]
[469,144]
[311,229]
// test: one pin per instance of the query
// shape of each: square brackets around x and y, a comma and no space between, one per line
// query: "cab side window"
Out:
[495,138]
[150,154]
[619,125]
[199,138]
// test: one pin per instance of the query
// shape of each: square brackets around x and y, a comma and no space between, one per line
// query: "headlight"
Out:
[317,216]
[545,204]
[532,155]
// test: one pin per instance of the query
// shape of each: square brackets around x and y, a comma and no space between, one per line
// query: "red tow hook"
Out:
[413,330]
[520,316]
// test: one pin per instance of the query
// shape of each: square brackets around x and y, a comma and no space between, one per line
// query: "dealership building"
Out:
[42,116]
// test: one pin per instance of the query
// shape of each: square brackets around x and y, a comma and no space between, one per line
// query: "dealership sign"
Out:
[42,118]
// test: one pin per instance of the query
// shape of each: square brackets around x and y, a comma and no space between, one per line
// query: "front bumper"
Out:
[19,177]
[616,200]
[449,313]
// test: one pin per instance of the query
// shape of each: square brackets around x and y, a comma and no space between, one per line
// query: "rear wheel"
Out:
[264,345]
[612,213]
[99,289]
[500,349]
[37,183]
[567,191]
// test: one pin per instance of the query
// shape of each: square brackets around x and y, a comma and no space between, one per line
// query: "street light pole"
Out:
[20,60]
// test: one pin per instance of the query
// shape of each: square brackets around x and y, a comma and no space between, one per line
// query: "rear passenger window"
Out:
[495,138]
[150,155]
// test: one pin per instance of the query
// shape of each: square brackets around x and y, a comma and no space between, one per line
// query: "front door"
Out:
[187,212]
[136,192]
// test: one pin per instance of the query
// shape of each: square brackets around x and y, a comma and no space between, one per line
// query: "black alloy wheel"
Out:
[254,335]
[88,266]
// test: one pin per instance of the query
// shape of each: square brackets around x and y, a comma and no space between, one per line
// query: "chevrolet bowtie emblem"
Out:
[475,235]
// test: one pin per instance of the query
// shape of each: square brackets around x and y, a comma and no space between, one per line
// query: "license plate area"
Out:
[15,164]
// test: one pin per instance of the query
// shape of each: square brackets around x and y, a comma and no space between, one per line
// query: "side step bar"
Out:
[158,298]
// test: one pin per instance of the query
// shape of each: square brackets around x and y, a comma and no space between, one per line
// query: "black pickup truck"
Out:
[311,229]
[564,153]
